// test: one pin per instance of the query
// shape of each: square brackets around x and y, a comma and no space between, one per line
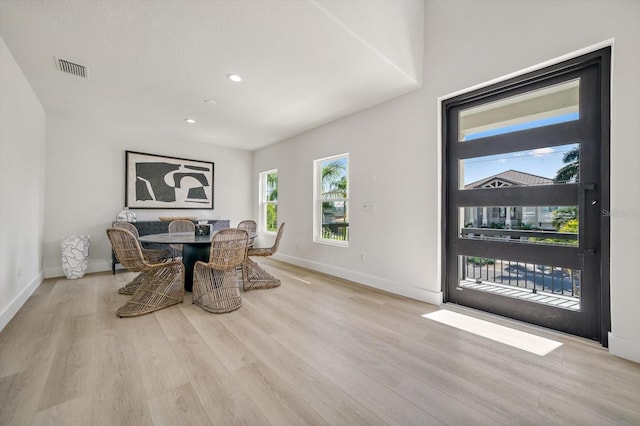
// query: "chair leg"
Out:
[254,277]
[160,287]
[132,286]
[216,291]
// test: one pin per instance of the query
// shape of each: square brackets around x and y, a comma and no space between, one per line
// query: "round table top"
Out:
[181,238]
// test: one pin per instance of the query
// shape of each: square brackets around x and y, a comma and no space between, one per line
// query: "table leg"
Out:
[191,253]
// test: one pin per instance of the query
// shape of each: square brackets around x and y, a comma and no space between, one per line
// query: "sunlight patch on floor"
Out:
[518,339]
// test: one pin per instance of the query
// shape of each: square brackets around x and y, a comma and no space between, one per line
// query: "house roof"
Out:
[512,178]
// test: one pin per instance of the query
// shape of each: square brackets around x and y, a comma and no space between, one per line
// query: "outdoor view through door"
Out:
[526,180]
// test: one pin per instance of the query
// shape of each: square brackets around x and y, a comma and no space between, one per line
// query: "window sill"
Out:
[332,242]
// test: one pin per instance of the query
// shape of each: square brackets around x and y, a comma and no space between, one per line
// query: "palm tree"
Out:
[334,182]
[563,215]
[272,209]
[272,185]
[341,186]
[334,186]
[571,171]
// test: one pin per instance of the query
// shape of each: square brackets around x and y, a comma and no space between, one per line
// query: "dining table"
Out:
[194,248]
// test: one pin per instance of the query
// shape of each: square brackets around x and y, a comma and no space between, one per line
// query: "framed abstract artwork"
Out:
[160,182]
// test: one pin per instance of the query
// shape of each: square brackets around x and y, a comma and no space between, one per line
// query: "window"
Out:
[269,201]
[331,212]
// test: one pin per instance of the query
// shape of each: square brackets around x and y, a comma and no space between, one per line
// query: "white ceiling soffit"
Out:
[153,63]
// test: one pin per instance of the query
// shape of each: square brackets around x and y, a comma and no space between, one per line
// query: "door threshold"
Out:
[520,325]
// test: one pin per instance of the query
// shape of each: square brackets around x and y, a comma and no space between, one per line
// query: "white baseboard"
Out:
[99,266]
[624,348]
[14,306]
[417,293]
[432,297]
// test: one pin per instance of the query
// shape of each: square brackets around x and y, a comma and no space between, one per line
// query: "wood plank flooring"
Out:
[316,350]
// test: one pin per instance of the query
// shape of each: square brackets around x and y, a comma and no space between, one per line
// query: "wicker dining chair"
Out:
[150,255]
[180,225]
[253,276]
[215,284]
[159,285]
[250,226]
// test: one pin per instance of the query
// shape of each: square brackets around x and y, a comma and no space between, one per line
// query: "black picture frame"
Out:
[162,182]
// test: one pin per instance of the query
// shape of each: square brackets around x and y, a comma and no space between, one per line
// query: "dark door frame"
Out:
[601,60]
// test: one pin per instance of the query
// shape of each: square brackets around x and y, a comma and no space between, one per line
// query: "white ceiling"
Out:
[151,64]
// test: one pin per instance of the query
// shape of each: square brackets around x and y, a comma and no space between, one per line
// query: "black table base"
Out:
[191,253]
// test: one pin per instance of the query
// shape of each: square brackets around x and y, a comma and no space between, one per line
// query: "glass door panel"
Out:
[551,105]
[555,225]
[555,286]
[549,165]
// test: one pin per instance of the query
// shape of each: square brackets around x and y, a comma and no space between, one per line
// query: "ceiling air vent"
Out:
[71,68]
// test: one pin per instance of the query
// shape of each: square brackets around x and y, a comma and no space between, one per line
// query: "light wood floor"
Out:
[322,352]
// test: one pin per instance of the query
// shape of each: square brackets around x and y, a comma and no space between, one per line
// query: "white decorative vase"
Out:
[75,256]
[126,215]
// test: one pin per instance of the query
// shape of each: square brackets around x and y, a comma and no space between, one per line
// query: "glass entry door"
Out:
[524,195]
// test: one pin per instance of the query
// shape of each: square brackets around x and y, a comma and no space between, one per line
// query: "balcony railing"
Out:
[531,276]
[522,235]
[335,231]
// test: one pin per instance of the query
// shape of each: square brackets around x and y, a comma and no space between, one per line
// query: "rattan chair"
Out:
[253,276]
[180,225]
[150,255]
[159,285]
[215,284]
[250,226]
[268,251]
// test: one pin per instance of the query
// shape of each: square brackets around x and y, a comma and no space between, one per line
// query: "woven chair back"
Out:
[268,251]
[127,249]
[276,244]
[181,225]
[248,225]
[127,226]
[228,248]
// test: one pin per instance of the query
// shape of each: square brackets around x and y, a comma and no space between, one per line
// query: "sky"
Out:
[344,172]
[543,162]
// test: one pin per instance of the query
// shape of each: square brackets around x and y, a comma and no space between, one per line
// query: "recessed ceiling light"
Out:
[209,102]
[190,120]
[234,77]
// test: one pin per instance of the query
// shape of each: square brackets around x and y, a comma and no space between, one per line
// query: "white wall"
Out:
[393,237]
[85,183]
[22,146]
[394,148]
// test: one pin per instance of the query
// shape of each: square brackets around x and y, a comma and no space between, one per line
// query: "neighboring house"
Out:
[509,217]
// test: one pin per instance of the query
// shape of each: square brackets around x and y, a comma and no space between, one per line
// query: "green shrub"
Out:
[480,261]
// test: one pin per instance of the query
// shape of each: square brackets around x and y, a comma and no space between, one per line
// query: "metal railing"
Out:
[522,235]
[335,231]
[531,276]
[546,278]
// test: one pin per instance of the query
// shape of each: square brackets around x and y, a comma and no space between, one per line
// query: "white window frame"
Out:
[317,200]
[263,202]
